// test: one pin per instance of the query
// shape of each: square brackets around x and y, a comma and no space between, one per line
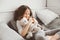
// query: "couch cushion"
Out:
[46,16]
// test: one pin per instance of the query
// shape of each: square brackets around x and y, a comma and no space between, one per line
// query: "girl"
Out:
[24,20]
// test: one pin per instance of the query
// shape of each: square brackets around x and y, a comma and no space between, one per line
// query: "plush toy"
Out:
[34,27]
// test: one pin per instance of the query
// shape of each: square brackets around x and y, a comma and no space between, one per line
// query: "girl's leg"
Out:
[40,35]
[52,32]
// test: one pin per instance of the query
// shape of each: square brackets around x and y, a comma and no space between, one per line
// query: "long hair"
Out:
[18,14]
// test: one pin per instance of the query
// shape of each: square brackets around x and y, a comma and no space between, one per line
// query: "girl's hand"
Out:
[30,19]
[34,20]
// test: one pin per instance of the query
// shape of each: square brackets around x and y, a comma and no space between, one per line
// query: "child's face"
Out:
[27,14]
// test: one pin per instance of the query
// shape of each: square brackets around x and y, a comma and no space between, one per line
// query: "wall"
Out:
[10,5]
[54,5]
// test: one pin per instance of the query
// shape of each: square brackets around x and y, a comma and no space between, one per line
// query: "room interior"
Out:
[48,11]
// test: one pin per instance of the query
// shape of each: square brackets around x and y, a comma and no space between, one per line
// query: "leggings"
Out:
[41,34]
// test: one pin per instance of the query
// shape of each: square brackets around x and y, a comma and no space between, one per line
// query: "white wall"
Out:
[54,5]
[9,5]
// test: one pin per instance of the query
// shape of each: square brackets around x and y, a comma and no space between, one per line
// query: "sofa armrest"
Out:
[8,34]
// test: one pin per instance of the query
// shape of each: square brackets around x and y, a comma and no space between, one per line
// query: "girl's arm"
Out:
[26,28]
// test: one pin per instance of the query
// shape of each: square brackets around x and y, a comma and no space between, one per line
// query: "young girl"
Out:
[27,25]
[25,19]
